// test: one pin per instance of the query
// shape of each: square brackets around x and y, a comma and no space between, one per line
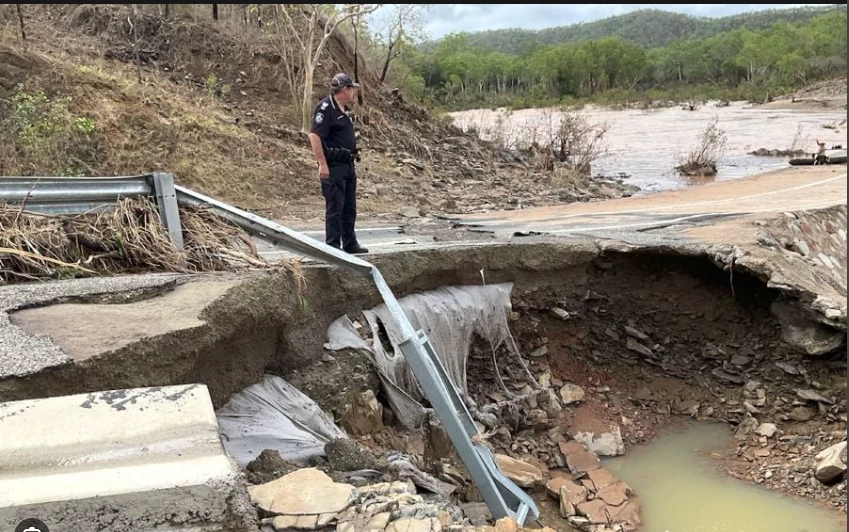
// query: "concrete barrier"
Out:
[122,460]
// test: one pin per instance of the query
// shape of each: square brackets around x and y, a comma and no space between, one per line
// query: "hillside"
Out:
[208,101]
[647,27]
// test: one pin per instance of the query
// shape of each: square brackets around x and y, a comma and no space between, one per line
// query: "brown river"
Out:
[645,144]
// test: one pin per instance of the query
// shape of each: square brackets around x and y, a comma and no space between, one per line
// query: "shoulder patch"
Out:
[319,118]
[324,105]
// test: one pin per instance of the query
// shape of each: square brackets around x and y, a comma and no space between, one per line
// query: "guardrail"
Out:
[55,195]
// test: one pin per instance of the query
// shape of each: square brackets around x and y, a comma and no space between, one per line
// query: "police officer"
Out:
[335,147]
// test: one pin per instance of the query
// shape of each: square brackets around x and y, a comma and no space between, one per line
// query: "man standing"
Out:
[335,148]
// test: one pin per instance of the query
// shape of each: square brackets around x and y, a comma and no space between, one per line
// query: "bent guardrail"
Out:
[58,195]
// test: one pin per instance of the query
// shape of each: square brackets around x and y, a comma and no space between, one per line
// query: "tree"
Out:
[214,11]
[312,25]
[21,22]
[401,28]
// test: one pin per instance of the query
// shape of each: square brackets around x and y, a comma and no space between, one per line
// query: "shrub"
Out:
[41,136]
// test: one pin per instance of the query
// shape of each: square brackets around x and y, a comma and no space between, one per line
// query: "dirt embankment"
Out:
[829,94]
[214,107]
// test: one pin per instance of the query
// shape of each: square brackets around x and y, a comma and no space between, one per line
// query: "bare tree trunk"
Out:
[356,23]
[214,11]
[133,12]
[385,70]
[167,10]
[309,71]
[245,12]
[21,21]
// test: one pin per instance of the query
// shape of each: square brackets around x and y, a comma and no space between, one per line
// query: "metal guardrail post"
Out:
[166,199]
[503,497]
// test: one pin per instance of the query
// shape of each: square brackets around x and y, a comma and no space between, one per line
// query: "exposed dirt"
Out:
[245,147]
[650,338]
[829,94]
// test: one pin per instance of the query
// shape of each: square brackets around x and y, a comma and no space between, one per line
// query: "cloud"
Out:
[449,18]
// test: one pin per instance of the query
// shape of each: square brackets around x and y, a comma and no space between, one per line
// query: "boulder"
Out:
[571,394]
[832,464]
[605,444]
[522,473]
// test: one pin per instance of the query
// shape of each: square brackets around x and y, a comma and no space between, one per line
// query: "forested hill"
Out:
[647,27]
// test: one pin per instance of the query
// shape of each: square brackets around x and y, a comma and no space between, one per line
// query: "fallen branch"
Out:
[37,256]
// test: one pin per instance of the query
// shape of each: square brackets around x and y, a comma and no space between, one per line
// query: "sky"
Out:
[448,18]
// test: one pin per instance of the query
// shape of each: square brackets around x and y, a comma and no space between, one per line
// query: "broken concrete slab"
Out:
[85,330]
[148,458]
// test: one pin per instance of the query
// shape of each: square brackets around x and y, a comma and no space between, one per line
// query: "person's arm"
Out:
[318,151]
[319,131]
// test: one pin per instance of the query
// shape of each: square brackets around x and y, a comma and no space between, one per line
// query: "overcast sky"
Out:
[449,18]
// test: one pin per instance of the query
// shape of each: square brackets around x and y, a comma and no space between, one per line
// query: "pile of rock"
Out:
[591,498]
[308,499]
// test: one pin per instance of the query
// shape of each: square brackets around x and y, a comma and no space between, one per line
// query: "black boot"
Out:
[356,249]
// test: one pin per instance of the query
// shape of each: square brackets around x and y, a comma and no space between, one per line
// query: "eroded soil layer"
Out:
[647,336]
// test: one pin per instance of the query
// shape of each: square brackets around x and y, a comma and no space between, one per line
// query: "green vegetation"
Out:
[39,135]
[740,64]
[647,27]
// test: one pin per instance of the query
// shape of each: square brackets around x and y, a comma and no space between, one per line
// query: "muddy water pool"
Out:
[682,491]
[646,145]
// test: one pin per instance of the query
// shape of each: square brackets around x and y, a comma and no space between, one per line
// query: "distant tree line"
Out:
[737,63]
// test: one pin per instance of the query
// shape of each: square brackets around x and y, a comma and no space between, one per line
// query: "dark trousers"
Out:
[340,197]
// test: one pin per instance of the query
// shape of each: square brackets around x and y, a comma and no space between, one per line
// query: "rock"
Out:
[506,524]
[304,492]
[801,414]
[628,515]
[614,494]
[630,331]
[567,509]
[810,395]
[536,418]
[571,393]
[573,493]
[430,524]
[553,486]
[379,522]
[606,444]
[347,455]
[562,314]
[437,443]
[365,416]
[595,511]
[805,334]
[522,473]
[832,464]
[409,211]
[268,466]
[578,458]
[746,428]
[638,348]
[550,403]
[601,478]
[477,513]
[539,352]
[767,430]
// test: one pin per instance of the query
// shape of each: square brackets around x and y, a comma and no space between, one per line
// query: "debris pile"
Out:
[127,238]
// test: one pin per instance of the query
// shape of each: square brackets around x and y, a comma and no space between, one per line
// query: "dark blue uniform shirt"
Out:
[334,125]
